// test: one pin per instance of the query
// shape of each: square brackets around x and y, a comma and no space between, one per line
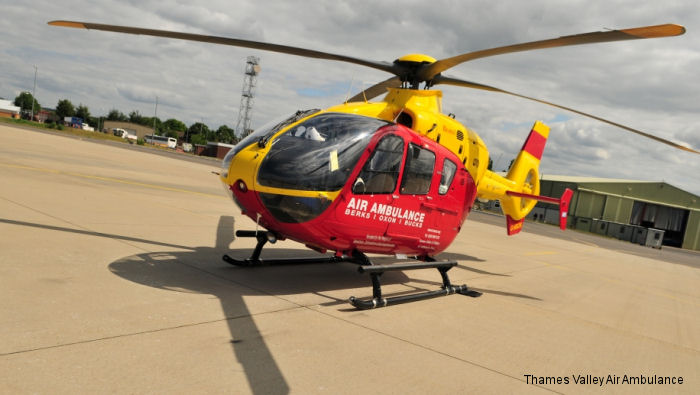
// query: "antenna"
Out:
[347,96]
[245,110]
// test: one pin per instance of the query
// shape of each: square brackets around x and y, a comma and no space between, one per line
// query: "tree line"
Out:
[197,133]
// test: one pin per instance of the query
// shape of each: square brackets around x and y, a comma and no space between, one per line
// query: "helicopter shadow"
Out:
[462,258]
[202,271]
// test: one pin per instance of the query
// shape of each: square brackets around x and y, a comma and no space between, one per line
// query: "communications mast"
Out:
[252,69]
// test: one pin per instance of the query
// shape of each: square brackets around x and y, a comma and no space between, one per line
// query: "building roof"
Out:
[583,180]
[648,191]
[7,106]
[215,143]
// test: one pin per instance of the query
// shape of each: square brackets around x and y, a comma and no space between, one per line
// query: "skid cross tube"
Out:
[263,237]
[375,271]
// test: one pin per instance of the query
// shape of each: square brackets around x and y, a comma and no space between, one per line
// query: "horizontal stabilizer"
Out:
[514,226]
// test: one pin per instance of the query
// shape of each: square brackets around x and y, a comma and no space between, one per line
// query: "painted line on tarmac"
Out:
[538,253]
[657,291]
[588,243]
[109,179]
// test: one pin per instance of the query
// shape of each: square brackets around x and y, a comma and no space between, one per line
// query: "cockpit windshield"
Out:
[318,154]
[263,134]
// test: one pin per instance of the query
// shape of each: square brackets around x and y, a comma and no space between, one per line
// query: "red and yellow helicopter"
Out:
[394,177]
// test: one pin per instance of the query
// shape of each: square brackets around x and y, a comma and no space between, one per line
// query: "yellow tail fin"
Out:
[525,174]
[519,190]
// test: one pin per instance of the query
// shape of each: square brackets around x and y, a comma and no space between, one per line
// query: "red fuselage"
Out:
[402,193]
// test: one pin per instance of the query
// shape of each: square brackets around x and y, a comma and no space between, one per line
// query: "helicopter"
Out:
[393,177]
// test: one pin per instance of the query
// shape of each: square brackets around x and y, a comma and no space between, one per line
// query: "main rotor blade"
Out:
[376,90]
[467,84]
[667,30]
[228,41]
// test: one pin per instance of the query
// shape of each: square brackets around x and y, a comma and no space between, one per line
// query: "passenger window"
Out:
[381,172]
[448,174]
[418,171]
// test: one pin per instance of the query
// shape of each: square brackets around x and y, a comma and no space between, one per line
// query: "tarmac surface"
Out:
[111,281]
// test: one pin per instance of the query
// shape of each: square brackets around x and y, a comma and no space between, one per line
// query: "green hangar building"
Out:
[644,212]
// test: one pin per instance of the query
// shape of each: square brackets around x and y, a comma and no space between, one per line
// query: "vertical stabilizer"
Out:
[525,175]
[519,190]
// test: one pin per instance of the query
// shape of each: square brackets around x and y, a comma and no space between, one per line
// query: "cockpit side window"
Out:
[418,172]
[381,172]
[449,169]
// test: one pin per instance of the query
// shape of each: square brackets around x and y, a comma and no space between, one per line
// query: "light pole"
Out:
[155,115]
[31,117]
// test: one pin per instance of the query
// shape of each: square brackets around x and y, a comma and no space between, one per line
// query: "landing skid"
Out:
[366,266]
[263,237]
[375,271]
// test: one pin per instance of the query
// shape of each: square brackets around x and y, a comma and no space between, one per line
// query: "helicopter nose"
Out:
[235,179]
[226,163]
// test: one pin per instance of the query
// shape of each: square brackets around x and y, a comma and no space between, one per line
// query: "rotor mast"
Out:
[245,110]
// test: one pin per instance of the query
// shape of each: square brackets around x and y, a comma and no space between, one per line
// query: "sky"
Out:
[652,85]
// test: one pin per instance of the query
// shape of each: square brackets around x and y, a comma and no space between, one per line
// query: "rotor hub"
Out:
[410,67]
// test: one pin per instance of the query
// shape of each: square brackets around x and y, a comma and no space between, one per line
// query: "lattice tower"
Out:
[245,110]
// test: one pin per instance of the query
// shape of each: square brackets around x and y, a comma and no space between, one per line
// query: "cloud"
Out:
[651,85]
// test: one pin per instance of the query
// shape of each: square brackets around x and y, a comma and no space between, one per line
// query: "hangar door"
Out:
[672,220]
[589,205]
